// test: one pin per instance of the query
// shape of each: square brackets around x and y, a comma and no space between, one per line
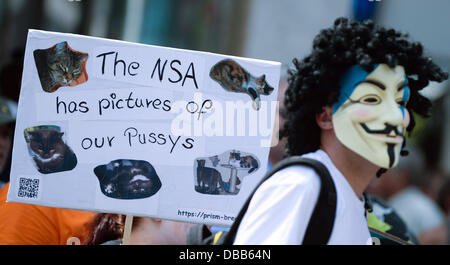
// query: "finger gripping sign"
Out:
[112,126]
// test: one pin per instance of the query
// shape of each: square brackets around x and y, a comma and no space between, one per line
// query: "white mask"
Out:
[370,117]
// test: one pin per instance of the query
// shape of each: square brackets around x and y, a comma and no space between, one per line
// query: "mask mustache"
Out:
[386,130]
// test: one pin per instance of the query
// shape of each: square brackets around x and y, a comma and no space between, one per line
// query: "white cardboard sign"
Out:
[113,126]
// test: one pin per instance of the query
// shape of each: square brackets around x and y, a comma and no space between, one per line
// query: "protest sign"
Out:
[119,127]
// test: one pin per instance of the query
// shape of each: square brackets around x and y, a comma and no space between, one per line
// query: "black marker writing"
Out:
[130,69]
[132,102]
[135,137]
[175,66]
[71,107]
[87,142]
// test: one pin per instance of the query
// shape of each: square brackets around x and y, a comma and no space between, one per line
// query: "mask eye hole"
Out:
[370,100]
[401,102]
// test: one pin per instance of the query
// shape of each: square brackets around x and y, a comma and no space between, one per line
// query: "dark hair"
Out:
[106,227]
[313,83]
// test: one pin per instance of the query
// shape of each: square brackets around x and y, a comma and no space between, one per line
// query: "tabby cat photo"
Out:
[128,179]
[60,66]
[234,78]
[48,150]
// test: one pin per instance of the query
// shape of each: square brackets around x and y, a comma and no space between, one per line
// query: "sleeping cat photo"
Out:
[60,66]
[49,152]
[128,179]
[233,77]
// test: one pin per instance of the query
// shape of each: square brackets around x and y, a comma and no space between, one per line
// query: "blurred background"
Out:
[270,30]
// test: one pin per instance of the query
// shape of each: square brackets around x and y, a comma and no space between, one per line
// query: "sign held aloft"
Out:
[113,126]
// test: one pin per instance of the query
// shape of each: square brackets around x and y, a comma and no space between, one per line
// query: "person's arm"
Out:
[280,210]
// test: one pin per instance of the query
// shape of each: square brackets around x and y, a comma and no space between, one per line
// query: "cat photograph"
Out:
[49,152]
[209,180]
[214,160]
[249,162]
[234,78]
[239,161]
[225,173]
[227,184]
[128,179]
[234,159]
[60,66]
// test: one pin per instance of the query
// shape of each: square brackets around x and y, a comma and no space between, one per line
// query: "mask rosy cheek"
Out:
[361,113]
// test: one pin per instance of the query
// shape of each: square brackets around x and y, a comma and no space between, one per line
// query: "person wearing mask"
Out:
[348,106]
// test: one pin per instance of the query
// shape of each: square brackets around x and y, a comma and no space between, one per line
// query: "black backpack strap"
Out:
[322,219]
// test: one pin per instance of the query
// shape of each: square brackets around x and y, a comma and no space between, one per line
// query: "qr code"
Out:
[28,188]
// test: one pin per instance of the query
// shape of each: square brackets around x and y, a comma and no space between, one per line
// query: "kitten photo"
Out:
[234,78]
[49,152]
[60,66]
[128,179]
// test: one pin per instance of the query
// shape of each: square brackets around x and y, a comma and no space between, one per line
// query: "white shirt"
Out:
[281,208]
[419,212]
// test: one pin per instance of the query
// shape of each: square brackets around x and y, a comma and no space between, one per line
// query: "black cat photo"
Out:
[128,179]
[48,150]
[60,66]
[209,180]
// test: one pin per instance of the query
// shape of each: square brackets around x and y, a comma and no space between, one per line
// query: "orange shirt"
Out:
[27,224]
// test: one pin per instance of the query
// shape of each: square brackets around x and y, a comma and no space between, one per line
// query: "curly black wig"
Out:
[313,83]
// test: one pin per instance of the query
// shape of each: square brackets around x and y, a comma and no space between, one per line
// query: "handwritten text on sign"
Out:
[121,127]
